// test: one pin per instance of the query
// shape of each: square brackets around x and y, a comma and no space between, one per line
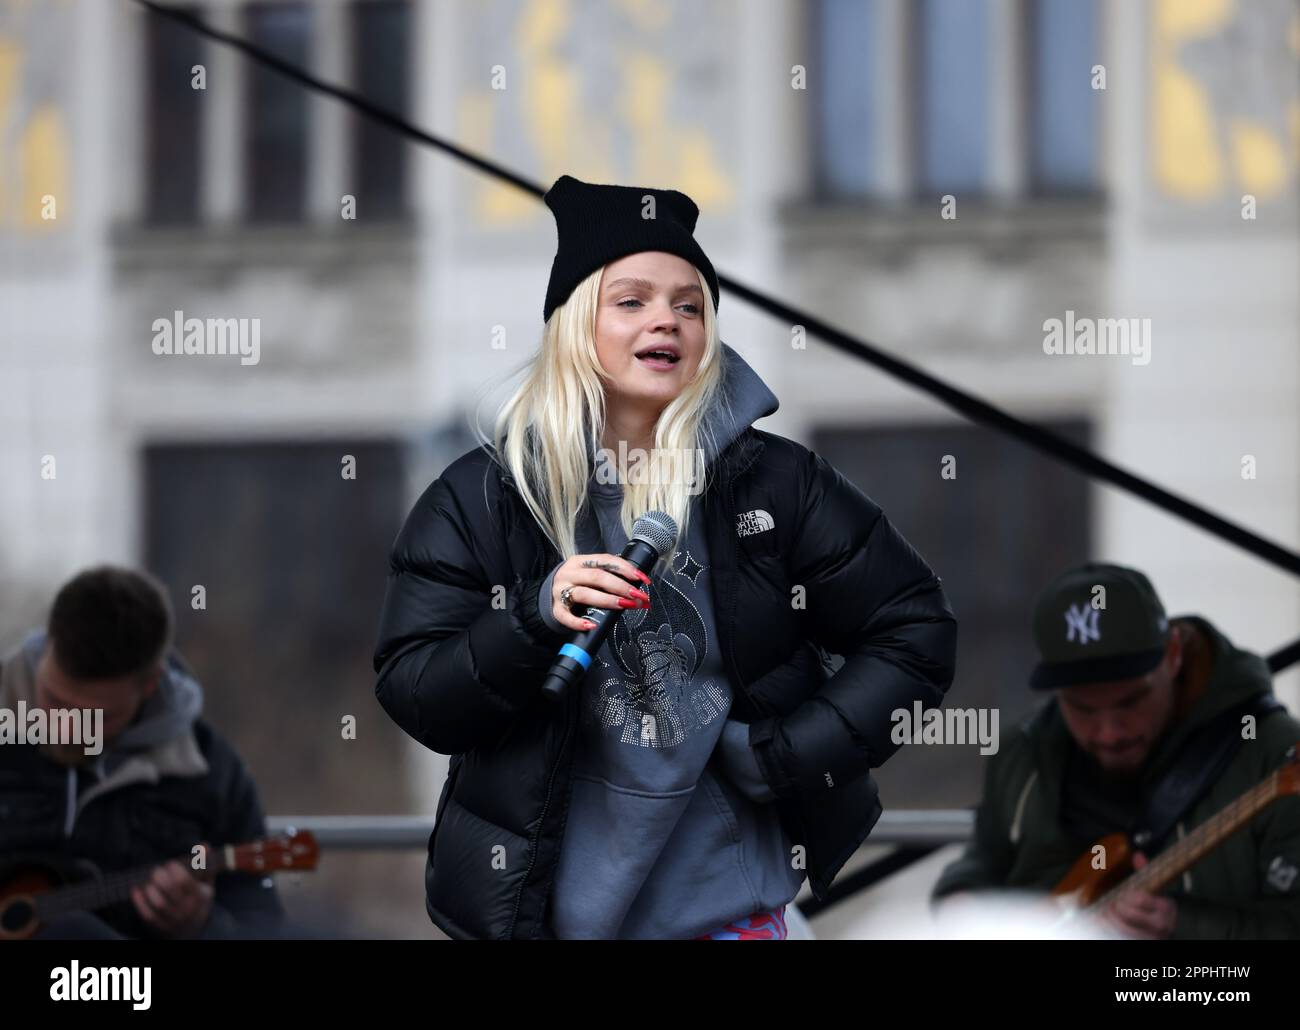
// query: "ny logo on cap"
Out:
[1082,620]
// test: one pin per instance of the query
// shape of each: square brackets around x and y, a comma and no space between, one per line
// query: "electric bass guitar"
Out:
[1086,887]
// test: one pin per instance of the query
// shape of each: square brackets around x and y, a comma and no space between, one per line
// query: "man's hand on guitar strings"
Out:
[1143,915]
[173,901]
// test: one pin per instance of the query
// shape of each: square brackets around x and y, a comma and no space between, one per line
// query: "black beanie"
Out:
[598,224]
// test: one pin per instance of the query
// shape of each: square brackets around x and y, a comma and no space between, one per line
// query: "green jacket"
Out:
[1248,887]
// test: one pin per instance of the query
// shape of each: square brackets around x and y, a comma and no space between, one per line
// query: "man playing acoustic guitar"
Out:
[1156,726]
[159,781]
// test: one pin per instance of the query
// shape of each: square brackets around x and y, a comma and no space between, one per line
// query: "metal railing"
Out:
[912,833]
[927,827]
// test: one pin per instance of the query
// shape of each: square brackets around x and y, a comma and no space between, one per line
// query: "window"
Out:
[952,86]
[276,121]
[1062,36]
[283,648]
[924,82]
[174,120]
[843,84]
[380,40]
[1032,518]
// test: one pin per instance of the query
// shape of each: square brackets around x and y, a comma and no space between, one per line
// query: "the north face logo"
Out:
[757,521]
[1082,622]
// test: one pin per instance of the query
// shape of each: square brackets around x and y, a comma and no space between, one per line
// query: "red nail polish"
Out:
[644,578]
[627,602]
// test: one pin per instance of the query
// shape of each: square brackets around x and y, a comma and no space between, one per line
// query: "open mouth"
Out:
[659,357]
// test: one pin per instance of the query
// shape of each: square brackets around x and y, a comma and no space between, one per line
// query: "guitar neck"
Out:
[114,887]
[1174,861]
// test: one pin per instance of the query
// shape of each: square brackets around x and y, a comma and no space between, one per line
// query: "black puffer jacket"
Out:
[462,652]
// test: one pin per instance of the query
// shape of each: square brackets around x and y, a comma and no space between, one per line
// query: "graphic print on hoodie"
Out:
[652,696]
[659,843]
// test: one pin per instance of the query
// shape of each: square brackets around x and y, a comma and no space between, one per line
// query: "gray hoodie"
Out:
[160,741]
[669,834]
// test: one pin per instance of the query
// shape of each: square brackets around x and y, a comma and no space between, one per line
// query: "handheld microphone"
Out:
[653,534]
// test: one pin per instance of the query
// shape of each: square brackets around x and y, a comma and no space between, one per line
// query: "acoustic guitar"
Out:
[33,895]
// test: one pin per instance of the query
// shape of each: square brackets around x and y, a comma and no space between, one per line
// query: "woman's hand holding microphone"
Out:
[597,581]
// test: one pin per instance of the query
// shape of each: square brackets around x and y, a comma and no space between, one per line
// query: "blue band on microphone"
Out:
[574,651]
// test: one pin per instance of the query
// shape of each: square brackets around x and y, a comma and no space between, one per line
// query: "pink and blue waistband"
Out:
[768,925]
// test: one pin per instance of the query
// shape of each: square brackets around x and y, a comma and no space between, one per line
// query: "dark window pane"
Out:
[1063,103]
[174,113]
[841,82]
[283,648]
[277,114]
[996,534]
[381,73]
[953,79]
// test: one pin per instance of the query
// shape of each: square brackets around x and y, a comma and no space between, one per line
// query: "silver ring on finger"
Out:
[566,598]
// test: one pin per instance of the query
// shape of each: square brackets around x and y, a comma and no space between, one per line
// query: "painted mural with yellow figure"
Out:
[34,157]
[1225,112]
[608,92]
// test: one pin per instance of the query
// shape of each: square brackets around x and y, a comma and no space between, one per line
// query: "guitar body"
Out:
[18,893]
[1084,883]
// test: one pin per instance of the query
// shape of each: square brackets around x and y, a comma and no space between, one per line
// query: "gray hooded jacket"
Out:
[669,832]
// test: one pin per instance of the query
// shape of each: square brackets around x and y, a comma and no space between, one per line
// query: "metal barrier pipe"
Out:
[906,827]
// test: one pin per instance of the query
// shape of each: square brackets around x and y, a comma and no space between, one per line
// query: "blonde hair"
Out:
[547,433]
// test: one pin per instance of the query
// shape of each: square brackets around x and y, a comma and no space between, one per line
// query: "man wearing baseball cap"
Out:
[1140,706]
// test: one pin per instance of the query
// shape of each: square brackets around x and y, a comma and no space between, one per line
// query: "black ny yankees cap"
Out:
[1097,623]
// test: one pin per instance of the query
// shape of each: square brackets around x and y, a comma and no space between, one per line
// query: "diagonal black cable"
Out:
[964,403]
[1044,440]
[1284,657]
